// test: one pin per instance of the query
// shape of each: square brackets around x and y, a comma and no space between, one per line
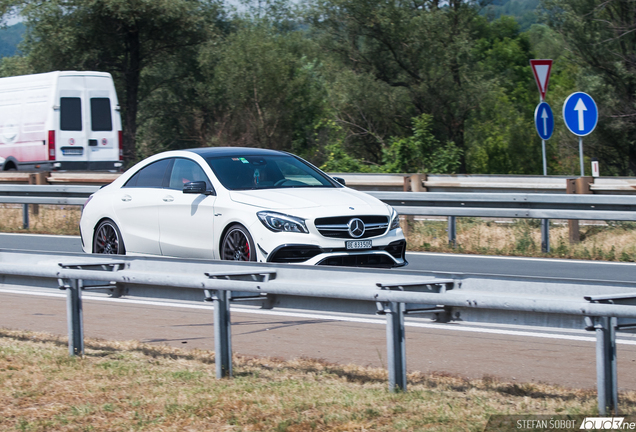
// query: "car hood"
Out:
[310,200]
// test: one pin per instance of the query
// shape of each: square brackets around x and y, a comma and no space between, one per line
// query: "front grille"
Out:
[336,227]
[367,260]
[294,254]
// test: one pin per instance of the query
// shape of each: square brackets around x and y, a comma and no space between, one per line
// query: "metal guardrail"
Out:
[450,204]
[599,306]
[492,183]
[539,206]
[589,207]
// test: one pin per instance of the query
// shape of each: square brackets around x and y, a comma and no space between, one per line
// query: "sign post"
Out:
[541,70]
[544,123]
[581,116]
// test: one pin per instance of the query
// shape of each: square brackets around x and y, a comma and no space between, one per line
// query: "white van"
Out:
[64,120]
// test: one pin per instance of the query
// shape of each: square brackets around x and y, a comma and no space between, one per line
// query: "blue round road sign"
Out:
[580,113]
[544,120]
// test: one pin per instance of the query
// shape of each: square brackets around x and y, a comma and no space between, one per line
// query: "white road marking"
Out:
[378,321]
[493,257]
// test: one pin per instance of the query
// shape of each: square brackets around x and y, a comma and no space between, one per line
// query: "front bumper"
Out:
[387,256]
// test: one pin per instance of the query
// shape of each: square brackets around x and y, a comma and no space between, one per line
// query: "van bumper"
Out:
[113,166]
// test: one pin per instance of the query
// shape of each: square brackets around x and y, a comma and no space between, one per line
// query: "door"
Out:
[137,206]
[71,143]
[103,119]
[186,220]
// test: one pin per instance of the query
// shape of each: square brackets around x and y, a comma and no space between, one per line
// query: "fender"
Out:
[9,163]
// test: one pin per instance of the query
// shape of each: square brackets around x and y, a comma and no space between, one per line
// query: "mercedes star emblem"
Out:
[356,228]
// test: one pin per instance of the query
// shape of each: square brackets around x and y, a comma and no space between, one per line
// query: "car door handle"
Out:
[126,198]
[168,198]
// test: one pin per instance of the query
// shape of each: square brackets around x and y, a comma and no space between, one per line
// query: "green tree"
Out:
[271,83]
[601,40]
[423,48]
[124,37]
[421,152]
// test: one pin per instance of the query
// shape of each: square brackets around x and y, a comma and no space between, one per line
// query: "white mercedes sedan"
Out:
[242,204]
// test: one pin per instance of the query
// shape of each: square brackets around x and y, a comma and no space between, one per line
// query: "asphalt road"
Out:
[532,355]
[565,357]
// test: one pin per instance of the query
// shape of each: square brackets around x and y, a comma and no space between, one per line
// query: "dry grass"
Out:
[129,386]
[614,241]
[62,220]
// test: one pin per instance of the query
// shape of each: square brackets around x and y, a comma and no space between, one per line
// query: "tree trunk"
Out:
[132,74]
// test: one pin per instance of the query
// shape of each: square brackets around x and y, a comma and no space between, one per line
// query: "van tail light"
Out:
[120,136]
[51,145]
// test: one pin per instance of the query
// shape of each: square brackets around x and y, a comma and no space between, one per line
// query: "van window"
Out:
[101,119]
[70,114]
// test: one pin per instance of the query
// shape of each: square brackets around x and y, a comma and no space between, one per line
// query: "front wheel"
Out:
[107,239]
[237,245]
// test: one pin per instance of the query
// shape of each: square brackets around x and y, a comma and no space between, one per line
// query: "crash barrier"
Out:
[599,306]
[451,205]
[381,182]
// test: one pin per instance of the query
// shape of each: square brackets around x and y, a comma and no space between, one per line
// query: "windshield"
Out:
[266,172]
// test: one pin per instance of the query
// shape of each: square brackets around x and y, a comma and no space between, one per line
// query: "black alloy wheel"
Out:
[107,239]
[237,245]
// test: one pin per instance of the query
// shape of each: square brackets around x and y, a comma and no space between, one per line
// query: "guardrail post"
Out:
[25,216]
[222,334]
[74,316]
[452,231]
[396,346]
[606,367]
[545,235]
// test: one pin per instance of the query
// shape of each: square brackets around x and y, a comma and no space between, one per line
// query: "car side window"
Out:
[150,176]
[185,171]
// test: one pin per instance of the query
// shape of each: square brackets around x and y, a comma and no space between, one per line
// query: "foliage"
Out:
[121,37]
[421,152]
[600,37]
[362,85]
[419,48]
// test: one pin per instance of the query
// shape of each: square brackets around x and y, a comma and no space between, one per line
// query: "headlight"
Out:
[395,220]
[278,222]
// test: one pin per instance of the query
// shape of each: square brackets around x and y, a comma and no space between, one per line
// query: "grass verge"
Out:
[129,386]
[613,241]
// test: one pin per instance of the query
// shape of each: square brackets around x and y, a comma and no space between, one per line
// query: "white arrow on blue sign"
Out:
[544,120]
[580,113]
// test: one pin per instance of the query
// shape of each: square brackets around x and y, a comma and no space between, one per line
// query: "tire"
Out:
[237,245]
[107,239]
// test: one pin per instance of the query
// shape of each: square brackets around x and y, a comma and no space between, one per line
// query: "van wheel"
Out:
[237,245]
[107,239]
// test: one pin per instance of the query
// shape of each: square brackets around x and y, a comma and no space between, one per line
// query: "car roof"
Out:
[234,151]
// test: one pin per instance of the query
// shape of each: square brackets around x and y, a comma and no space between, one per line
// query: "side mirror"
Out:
[196,187]
[340,180]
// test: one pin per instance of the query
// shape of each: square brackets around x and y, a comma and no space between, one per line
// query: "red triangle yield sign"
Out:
[541,70]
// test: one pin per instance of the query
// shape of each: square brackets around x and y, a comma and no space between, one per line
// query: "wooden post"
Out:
[38,178]
[580,185]
[412,183]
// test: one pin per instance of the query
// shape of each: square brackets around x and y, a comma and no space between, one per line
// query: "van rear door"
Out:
[71,141]
[104,122]
[89,122]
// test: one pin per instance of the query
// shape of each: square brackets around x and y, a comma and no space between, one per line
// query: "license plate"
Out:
[359,244]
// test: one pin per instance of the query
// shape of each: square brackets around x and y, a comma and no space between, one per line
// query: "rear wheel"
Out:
[237,245]
[107,239]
